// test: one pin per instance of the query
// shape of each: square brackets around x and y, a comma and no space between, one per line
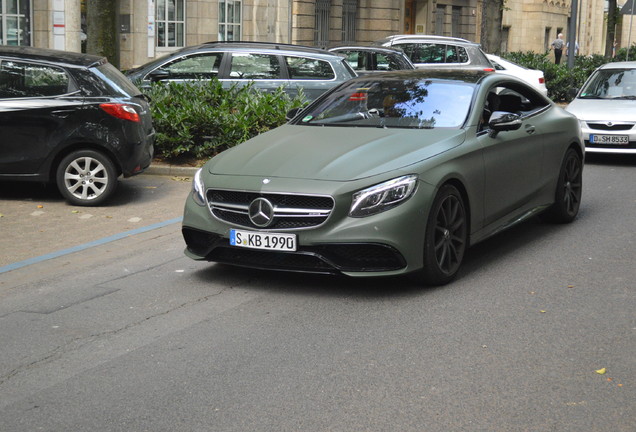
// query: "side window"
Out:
[511,98]
[430,53]
[254,66]
[19,79]
[462,55]
[386,63]
[202,66]
[302,68]
[451,54]
[355,59]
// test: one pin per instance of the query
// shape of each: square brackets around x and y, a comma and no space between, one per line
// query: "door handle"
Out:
[530,129]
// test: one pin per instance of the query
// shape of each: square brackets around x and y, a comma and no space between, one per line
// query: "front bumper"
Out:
[387,243]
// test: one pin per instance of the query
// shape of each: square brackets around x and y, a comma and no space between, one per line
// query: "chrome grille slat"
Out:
[291,212]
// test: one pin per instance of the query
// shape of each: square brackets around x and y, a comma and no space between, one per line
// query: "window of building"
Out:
[349,13]
[15,28]
[170,22]
[321,35]
[456,22]
[230,20]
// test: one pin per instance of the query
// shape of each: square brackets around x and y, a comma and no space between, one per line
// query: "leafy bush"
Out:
[199,120]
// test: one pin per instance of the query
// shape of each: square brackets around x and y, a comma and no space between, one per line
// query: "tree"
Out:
[612,13]
[491,19]
[101,29]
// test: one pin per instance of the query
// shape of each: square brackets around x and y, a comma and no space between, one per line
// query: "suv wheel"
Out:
[86,178]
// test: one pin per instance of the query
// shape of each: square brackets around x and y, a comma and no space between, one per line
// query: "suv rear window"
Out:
[116,81]
[435,53]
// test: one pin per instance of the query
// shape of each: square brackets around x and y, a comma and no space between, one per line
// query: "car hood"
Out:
[333,153]
[603,109]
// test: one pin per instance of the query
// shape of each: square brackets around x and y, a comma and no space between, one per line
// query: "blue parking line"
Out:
[99,242]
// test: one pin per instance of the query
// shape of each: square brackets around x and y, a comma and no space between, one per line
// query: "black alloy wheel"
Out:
[446,237]
[569,189]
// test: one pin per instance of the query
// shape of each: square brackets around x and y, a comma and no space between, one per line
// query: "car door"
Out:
[37,103]
[512,159]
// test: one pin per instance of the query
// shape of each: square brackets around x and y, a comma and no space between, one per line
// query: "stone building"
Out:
[146,29]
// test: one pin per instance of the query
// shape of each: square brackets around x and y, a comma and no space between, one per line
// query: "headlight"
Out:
[383,196]
[198,189]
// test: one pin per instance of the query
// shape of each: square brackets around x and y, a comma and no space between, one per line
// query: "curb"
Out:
[170,170]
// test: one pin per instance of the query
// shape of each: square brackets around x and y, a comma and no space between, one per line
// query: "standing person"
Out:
[558,45]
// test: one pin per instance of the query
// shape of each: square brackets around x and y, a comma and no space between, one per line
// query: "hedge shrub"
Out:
[199,120]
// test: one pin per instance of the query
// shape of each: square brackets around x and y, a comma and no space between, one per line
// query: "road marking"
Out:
[84,246]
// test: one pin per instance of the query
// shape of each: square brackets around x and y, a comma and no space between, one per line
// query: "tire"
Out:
[567,198]
[446,237]
[86,178]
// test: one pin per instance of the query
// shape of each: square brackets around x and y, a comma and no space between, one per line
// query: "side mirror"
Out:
[292,113]
[501,121]
[158,75]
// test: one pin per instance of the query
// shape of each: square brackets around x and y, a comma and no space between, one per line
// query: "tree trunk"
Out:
[491,19]
[101,29]
[611,28]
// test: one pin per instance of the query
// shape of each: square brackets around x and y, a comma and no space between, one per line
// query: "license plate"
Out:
[609,139]
[262,240]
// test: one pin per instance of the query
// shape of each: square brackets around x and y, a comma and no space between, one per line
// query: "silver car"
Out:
[606,109]
[266,66]
[430,51]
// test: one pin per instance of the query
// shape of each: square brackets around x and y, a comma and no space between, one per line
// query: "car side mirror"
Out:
[158,75]
[292,113]
[501,121]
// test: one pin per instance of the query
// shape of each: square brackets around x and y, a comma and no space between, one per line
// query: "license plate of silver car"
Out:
[609,139]
[263,240]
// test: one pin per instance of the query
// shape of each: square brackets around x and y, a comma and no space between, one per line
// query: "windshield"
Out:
[401,103]
[611,84]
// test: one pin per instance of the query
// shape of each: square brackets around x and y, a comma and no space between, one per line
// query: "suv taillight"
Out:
[121,111]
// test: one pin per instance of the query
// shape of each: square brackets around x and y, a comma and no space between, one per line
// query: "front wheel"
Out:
[446,237]
[567,198]
[86,178]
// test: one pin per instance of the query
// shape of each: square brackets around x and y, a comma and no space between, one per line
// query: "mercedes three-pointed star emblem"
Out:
[261,212]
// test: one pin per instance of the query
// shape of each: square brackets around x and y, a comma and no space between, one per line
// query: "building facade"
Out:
[147,29]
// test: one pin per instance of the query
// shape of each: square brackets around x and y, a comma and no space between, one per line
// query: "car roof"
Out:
[619,65]
[43,54]
[452,74]
[248,45]
[383,49]
[395,38]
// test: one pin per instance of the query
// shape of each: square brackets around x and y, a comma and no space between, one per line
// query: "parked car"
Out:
[72,119]
[606,107]
[389,174]
[267,65]
[426,51]
[531,76]
[373,59]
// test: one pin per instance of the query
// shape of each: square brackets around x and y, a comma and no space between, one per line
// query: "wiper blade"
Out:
[590,97]
[625,98]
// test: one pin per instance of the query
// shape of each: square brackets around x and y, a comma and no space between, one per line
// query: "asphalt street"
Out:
[538,333]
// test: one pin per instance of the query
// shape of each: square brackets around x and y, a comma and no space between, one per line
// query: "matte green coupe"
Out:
[387,175]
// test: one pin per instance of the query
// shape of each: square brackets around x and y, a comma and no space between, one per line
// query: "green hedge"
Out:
[202,119]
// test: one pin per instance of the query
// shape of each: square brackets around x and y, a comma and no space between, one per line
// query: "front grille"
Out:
[612,127]
[290,211]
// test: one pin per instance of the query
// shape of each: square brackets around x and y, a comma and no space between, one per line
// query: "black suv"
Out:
[439,51]
[73,119]
[266,65]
